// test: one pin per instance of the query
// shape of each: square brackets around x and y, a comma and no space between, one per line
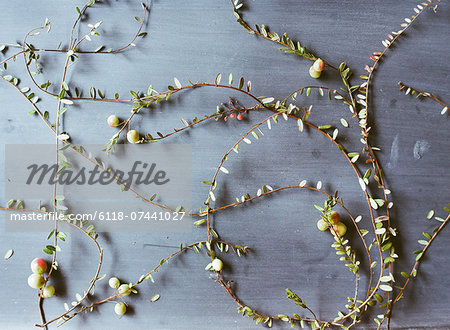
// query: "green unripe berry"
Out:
[114,282]
[36,281]
[217,264]
[319,65]
[120,308]
[133,136]
[113,121]
[322,225]
[340,229]
[38,266]
[48,291]
[124,290]
[313,73]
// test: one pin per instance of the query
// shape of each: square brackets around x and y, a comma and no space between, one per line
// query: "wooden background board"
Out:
[196,40]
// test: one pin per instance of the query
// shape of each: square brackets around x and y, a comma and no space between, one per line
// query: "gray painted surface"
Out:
[196,40]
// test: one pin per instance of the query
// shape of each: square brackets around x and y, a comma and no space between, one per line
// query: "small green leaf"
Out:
[405,275]
[199,222]
[324,127]
[51,234]
[241,82]
[48,251]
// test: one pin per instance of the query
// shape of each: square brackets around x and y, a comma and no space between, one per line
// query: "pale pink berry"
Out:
[36,281]
[113,121]
[322,225]
[319,65]
[313,73]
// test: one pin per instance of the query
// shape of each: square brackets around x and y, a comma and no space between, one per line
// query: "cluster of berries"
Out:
[316,69]
[233,115]
[334,220]
[235,108]
[124,290]
[132,136]
[37,281]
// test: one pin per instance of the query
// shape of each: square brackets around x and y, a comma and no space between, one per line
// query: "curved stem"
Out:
[87,292]
[315,87]
[215,115]
[12,56]
[419,93]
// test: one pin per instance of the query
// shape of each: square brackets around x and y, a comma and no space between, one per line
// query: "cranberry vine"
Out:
[381,288]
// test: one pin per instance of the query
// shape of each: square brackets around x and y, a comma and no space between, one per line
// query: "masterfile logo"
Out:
[48,174]
[122,191]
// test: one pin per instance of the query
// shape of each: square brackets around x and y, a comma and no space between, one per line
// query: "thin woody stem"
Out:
[413,270]
[87,292]
[215,115]
[421,93]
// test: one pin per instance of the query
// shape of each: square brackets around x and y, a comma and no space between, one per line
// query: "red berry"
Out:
[232,115]
[334,217]
[38,266]
[239,117]
[225,119]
